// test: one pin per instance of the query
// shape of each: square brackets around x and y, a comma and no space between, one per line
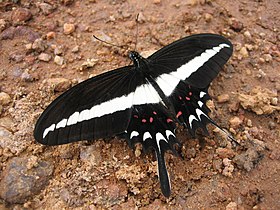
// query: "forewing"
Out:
[196,59]
[96,108]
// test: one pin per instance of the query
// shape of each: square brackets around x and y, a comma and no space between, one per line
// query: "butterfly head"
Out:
[135,57]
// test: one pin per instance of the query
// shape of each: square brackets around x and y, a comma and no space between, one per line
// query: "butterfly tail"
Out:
[163,175]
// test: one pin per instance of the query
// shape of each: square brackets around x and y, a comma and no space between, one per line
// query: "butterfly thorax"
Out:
[137,59]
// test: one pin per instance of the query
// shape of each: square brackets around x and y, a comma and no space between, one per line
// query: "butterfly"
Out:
[144,101]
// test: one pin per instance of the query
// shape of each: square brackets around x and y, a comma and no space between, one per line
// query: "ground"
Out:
[48,46]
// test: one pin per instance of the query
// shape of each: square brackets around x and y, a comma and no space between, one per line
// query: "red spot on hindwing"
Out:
[135,116]
[179,114]
[154,113]
[144,120]
[151,119]
[168,120]
[188,99]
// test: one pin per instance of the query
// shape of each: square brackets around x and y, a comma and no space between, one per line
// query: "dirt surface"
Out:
[47,46]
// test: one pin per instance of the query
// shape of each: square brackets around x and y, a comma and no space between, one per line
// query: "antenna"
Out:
[119,46]
[136,35]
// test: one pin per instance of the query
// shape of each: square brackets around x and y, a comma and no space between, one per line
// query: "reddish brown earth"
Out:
[47,46]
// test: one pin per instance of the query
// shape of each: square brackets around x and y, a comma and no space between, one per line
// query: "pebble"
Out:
[267,57]
[45,8]
[68,28]
[223,98]
[3,24]
[44,57]
[235,25]
[20,31]
[39,45]
[231,206]
[21,181]
[58,50]
[208,17]
[26,77]
[21,15]
[247,34]
[91,154]
[271,125]
[59,60]
[247,160]
[59,84]
[227,171]
[235,122]
[244,52]
[89,63]
[50,35]
[4,98]
[75,49]
[225,152]
[7,123]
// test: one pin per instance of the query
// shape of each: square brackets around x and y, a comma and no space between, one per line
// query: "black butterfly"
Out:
[144,101]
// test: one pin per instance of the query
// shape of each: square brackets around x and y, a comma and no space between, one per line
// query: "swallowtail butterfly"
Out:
[144,101]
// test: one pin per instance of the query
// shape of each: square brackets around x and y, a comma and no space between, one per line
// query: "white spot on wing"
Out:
[160,137]
[134,133]
[201,94]
[61,124]
[84,115]
[73,119]
[146,135]
[191,119]
[169,133]
[200,103]
[47,130]
[199,113]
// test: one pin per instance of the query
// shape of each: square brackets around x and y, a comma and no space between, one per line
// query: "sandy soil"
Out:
[47,47]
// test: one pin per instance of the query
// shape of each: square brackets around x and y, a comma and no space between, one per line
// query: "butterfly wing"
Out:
[183,71]
[196,59]
[96,108]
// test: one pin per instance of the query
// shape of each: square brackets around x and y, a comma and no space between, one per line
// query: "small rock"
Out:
[249,123]
[89,63]
[50,35]
[75,49]
[58,50]
[235,25]
[7,123]
[20,182]
[223,98]
[3,24]
[21,15]
[46,8]
[39,45]
[227,171]
[4,98]
[271,125]
[157,1]
[267,58]
[247,34]
[235,122]
[259,101]
[59,84]
[208,17]
[26,77]
[225,152]
[58,60]
[20,31]
[68,28]
[141,17]
[44,57]
[231,206]
[248,159]
[244,53]
[91,154]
